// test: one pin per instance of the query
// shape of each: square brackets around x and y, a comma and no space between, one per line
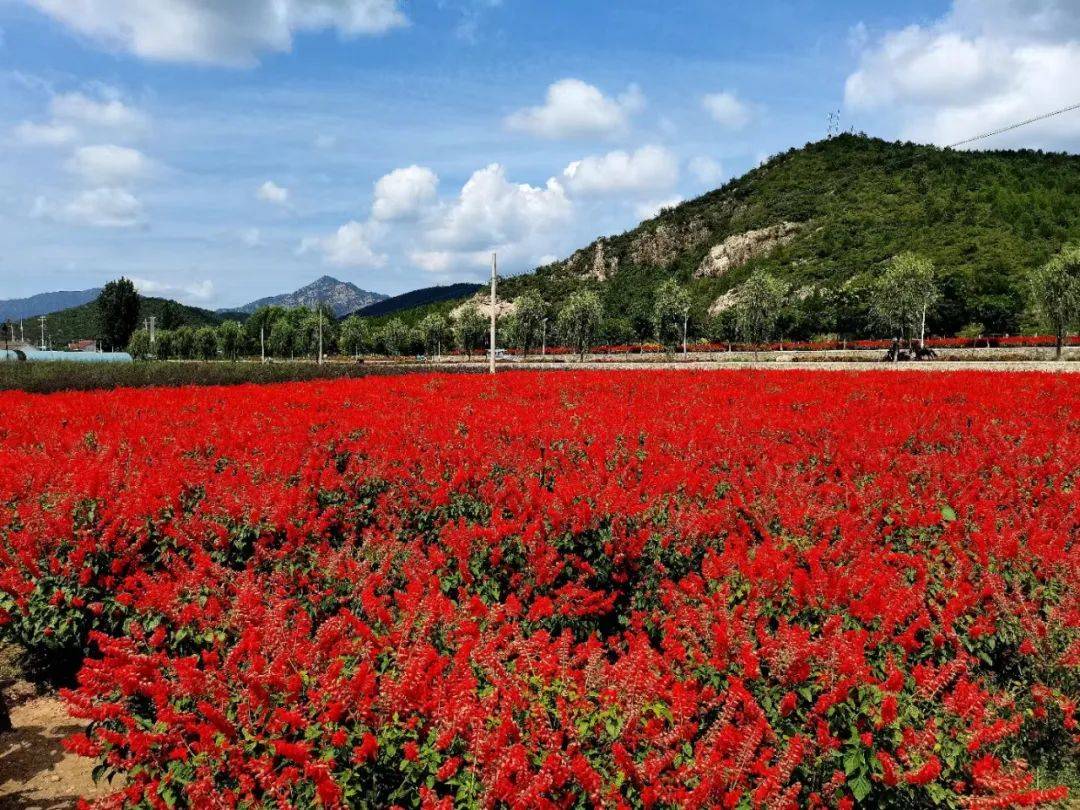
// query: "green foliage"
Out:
[530,312]
[903,295]
[434,332]
[206,344]
[984,219]
[670,313]
[354,337]
[470,328]
[74,376]
[759,307]
[1055,293]
[579,319]
[395,338]
[139,345]
[118,305]
[231,339]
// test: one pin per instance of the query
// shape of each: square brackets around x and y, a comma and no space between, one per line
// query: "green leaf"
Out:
[948,514]
[860,788]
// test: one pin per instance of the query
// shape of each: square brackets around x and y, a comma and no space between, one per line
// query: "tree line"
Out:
[901,303]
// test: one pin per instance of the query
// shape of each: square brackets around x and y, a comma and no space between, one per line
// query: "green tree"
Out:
[470,328]
[259,324]
[761,300]
[206,343]
[579,319]
[1055,294]
[395,337]
[139,345]
[903,296]
[165,344]
[184,342]
[172,316]
[354,337]
[433,331]
[530,313]
[118,305]
[671,314]
[230,336]
[281,342]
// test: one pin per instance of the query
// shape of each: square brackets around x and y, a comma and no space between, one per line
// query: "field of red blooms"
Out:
[660,589]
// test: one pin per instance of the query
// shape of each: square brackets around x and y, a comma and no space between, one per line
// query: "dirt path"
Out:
[36,773]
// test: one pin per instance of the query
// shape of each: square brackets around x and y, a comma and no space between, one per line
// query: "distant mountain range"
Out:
[418,298]
[16,309]
[342,297]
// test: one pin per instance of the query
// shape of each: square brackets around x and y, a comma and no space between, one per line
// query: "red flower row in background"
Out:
[647,589]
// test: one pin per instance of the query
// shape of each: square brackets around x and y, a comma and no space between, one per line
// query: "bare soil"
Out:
[36,773]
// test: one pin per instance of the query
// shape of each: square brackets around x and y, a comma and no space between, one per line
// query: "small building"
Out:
[83,346]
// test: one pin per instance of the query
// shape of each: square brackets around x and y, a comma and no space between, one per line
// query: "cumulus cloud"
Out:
[49,134]
[109,165]
[706,170]
[271,192]
[96,113]
[491,211]
[100,208]
[727,109]
[648,210]
[649,169]
[195,292]
[404,193]
[986,64]
[349,246]
[225,32]
[576,109]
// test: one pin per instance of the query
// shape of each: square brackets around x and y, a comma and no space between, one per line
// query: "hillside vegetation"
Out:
[83,322]
[834,212]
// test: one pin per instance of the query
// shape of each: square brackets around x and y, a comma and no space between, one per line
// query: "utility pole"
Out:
[494,270]
[42,321]
[153,323]
[262,342]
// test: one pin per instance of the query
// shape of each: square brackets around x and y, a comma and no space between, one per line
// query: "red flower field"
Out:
[733,589]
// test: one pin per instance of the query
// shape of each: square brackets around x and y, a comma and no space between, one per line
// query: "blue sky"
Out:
[219,151]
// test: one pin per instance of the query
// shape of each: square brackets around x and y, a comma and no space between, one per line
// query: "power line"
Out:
[1018,125]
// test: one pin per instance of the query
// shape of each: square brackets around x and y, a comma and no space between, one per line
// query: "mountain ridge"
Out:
[46,303]
[343,297]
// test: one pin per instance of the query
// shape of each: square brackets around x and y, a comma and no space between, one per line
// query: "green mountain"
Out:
[826,218]
[419,298]
[82,322]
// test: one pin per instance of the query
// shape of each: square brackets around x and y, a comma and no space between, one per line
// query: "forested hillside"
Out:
[825,218]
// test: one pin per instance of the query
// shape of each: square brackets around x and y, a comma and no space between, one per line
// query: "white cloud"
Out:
[109,165]
[648,210]
[230,32]
[252,237]
[100,207]
[649,169]
[51,134]
[706,170]
[985,65]
[349,246]
[433,261]
[196,292]
[404,193]
[727,109]
[271,192]
[492,211]
[97,113]
[575,109]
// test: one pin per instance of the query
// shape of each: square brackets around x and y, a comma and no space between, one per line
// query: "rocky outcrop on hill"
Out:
[661,246]
[737,250]
[726,301]
[482,302]
[594,261]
